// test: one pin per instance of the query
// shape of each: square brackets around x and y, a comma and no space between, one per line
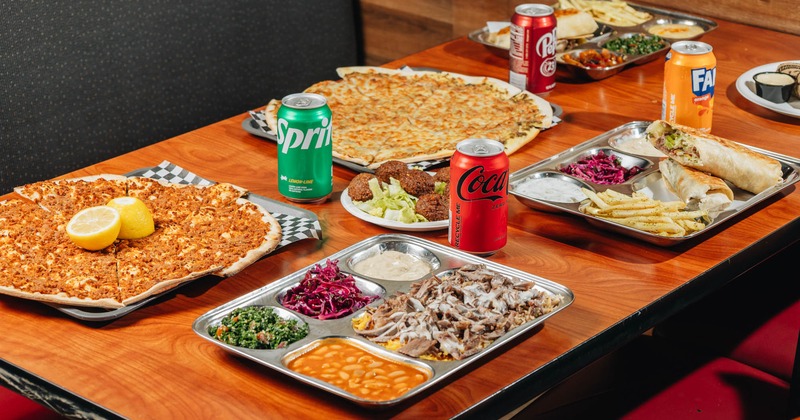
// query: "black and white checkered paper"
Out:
[294,228]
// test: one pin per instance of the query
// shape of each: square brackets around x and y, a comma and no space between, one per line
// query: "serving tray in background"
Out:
[648,182]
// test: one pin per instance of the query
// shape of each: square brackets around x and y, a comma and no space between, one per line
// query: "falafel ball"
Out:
[358,190]
[417,183]
[433,206]
[391,169]
[442,175]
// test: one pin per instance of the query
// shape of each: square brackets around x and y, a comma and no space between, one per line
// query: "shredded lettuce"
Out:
[391,202]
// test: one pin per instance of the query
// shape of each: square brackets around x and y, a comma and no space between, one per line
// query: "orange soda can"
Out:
[690,73]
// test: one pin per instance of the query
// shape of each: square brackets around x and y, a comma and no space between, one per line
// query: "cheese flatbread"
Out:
[383,114]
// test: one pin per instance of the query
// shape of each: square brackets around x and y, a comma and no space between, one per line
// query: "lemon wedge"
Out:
[94,228]
[137,221]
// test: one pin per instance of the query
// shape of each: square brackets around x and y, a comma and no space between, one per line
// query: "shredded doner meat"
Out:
[456,315]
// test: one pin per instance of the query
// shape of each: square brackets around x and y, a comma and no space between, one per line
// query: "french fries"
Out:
[641,212]
[610,12]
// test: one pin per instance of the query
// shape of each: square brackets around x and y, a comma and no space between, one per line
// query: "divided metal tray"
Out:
[442,259]
[648,181]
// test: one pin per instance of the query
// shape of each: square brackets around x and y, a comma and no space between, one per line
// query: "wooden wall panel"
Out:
[395,28]
[780,15]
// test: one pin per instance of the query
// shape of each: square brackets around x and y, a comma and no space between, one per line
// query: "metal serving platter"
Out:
[481,36]
[607,31]
[441,258]
[663,16]
[648,182]
[603,72]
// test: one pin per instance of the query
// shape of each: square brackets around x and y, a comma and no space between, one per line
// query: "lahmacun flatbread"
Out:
[384,114]
[200,230]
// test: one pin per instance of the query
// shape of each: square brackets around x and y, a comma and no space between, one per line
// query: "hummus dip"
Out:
[393,265]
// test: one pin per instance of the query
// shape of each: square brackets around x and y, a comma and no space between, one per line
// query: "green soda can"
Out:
[305,152]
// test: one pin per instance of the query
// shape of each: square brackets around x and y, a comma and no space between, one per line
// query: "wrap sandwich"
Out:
[744,168]
[699,190]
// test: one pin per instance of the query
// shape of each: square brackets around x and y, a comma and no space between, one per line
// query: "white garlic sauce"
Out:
[552,189]
[393,265]
[637,146]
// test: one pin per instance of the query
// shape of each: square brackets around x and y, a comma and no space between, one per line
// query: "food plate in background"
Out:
[648,181]
[446,259]
[348,205]
[481,36]
[747,88]
[606,31]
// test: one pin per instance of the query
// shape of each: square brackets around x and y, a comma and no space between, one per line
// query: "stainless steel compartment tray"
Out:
[448,258]
[648,181]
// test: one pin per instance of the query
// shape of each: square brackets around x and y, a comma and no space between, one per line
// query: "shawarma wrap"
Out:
[744,168]
[699,190]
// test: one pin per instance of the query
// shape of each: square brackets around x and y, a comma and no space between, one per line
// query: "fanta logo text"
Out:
[292,138]
[474,185]
[546,44]
[703,81]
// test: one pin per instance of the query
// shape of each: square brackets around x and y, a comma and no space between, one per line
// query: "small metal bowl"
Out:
[592,73]
[675,29]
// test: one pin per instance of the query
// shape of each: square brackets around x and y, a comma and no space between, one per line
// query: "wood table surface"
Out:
[150,364]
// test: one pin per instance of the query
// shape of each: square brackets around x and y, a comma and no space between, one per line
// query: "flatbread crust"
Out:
[200,230]
[386,114]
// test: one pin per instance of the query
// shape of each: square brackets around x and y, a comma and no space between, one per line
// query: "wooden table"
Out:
[150,364]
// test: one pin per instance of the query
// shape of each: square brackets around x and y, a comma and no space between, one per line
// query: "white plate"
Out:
[747,88]
[348,205]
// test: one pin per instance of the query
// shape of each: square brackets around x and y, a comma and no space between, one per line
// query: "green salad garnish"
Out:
[258,327]
[391,202]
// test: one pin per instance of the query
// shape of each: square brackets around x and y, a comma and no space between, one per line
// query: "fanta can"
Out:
[690,74]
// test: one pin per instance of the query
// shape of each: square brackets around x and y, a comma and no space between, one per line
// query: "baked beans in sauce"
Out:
[358,371]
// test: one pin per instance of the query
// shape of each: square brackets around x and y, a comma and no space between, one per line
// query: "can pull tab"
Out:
[480,149]
[303,102]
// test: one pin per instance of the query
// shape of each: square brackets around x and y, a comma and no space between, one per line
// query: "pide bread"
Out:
[412,116]
[574,23]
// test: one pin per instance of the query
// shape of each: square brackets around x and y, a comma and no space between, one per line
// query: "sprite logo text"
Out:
[474,185]
[293,138]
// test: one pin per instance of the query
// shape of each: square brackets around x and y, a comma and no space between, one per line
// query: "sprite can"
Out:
[305,152]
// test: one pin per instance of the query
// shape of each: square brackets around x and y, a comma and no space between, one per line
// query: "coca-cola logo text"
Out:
[474,185]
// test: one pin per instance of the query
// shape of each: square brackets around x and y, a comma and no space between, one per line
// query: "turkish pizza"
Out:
[199,230]
[412,116]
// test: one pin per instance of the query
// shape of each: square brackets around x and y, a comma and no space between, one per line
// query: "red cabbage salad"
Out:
[326,293]
[601,169]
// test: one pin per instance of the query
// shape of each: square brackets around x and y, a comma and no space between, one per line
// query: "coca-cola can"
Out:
[478,196]
[532,55]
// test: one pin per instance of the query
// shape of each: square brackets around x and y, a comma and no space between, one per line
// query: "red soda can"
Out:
[478,196]
[690,74]
[532,56]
